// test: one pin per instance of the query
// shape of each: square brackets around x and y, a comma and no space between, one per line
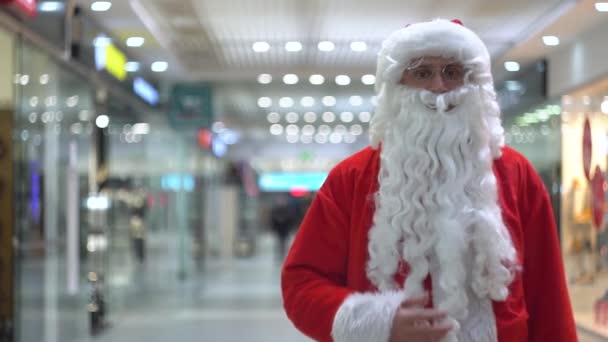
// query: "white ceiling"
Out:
[211,41]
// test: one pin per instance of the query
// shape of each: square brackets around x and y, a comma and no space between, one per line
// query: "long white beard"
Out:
[437,204]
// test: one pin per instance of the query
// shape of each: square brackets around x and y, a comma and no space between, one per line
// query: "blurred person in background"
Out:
[437,231]
[282,219]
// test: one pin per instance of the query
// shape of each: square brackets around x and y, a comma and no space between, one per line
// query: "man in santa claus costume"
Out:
[436,232]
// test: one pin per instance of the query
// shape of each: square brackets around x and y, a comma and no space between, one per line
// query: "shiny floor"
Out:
[229,300]
[226,300]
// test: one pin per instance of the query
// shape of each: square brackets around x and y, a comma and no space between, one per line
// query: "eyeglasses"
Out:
[451,72]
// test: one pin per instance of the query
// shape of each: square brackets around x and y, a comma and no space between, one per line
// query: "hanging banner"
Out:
[6,221]
[191,106]
[598,189]
[587,147]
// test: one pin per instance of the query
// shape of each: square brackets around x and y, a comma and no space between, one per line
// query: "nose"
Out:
[437,84]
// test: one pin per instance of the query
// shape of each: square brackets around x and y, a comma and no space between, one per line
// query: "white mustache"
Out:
[443,102]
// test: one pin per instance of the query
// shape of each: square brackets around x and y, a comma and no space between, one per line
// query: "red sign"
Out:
[205,138]
[598,189]
[26,6]
[587,145]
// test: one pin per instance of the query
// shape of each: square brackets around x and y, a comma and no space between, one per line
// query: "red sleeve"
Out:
[314,274]
[546,293]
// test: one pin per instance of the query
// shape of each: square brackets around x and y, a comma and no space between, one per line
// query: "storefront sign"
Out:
[26,6]
[6,218]
[145,90]
[191,107]
[587,146]
[110,58]
[598,188]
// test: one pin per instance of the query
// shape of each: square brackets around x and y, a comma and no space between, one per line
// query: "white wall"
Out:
[582,62]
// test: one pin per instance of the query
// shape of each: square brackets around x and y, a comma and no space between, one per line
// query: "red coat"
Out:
[327,260]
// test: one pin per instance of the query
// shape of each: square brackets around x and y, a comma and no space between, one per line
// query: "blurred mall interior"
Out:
[145,143]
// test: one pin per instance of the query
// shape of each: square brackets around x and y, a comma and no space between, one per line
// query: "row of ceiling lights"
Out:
[317,79]
[334,138]
[550,40]
[57,6]
[312,117]
[277,129]
[295,46]
[309,101]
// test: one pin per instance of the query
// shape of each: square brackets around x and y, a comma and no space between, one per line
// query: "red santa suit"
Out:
[327,261]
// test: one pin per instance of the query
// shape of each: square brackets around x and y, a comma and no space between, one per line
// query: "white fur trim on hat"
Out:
[438,37]
[365,317]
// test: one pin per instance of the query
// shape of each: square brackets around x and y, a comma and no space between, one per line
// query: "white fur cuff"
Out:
[365,317]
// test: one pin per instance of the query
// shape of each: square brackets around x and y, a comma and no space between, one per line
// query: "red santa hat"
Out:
[438,37]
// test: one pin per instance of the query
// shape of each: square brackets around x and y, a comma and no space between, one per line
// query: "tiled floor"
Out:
[227,301]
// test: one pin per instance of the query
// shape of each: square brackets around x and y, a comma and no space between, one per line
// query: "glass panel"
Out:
[584,234]
[52,152]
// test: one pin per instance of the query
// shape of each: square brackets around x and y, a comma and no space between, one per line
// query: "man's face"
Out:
[436,74]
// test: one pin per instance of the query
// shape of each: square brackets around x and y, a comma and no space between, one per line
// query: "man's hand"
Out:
[414,323]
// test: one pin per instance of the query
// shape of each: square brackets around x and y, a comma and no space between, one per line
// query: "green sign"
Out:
[191,106]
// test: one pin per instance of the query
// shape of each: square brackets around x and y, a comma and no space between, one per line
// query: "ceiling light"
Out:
[135,41]
[102,121]
[132,66]
[264,78]
[349,138]
[326,46]
[286,102]
[356,129]
[306,139]
[141,128]
[273,117]
[341,129]
[355,100]
[605,107]
[264,102]
[329,101]
[365,116]
[368,79]
[601,6]
[292,130]
[307,101]
[335,138]
[101,6]
[276,129]
[292,117]
[160,66]
[346,117]
[308,130]
[358,46]
[293,46]
[511,66]
[551,40]
[50,6]
[44,79]
[342,80]
[101,41]
[329,117]
[261,46]
[292,138]
[310,117]
[290,79]
[320,139]
[316,79]
[324,130]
